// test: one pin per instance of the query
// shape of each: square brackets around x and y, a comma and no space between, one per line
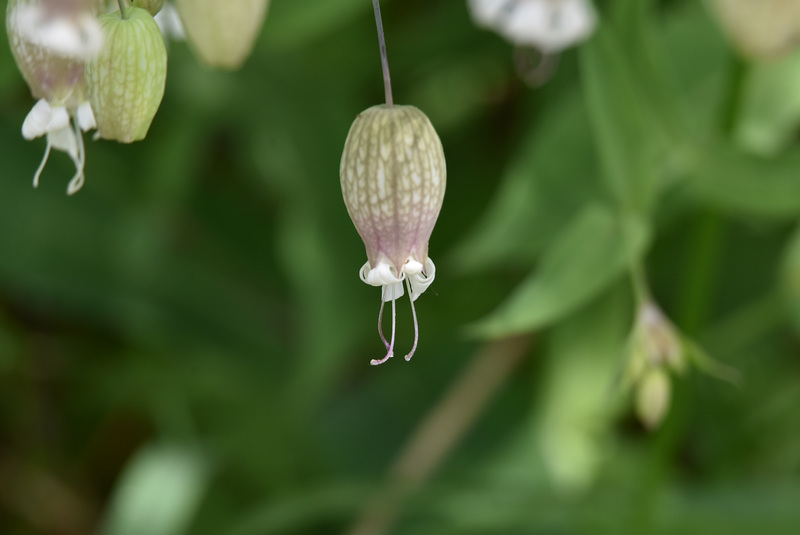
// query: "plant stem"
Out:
[387,79]
[441,431]
[122,12]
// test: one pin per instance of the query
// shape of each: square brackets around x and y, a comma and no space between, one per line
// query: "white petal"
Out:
[38,119]
[489,13]
[59,119]
[419,281]
[550,25]
[381,275]
[392,291]
[85,117]
[65,141]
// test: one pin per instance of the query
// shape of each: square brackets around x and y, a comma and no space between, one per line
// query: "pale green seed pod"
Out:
[126,80]
[152,6]
[222,33]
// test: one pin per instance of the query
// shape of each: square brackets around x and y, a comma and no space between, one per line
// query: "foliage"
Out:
[186,340]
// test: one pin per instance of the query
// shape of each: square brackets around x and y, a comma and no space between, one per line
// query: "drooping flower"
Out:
[50,41]
[393,178]
[656,349]
[127,78]
[547,25]
[222,34]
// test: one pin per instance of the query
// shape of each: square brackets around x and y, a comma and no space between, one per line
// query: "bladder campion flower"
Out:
[50,41]
[548,25]
[222,34]
[762,30]
[393,176]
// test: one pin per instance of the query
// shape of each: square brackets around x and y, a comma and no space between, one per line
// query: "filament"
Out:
[416,324]
[390,348]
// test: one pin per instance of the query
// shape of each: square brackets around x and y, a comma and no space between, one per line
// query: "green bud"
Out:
[222,34]
[126,81]
[152,6]
[652,397]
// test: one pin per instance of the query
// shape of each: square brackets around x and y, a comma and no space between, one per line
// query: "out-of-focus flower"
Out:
[126,80]
[222,34]
[547,25]
[760,29]
[656,348]
[50,41]
[393,177]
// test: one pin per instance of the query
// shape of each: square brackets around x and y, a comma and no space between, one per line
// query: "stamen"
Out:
[380,326]
[390,348]
[77,181]
[41,165]
[416,324]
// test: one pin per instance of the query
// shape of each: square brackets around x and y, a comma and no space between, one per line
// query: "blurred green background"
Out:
[185,343]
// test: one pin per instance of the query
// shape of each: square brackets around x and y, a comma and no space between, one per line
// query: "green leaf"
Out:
[771,108]
[544,187]
[624,128]
[592,252]
[727,178]
[579,400]
[159,493]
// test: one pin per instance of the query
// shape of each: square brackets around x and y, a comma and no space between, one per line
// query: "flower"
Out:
[393,178]
[656,348]
[548,25]
[222,34]
[50,41]
[760,30]
[127,78]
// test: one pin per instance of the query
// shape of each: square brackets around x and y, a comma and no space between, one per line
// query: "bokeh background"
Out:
[185,343]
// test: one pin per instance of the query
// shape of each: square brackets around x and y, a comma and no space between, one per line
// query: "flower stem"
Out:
[122,12]
[387,79]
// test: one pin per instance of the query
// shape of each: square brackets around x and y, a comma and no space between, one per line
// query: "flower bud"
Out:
[393,178]
[222,33]
[655,340]
[760,29]
[152,6]
[126,80]
[653,397]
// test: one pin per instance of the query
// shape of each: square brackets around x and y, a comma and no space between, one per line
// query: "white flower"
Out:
[63,133]
[393,175]
[548,25]
[384,275]
[50,41]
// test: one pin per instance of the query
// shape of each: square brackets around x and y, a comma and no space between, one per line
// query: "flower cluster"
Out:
[103,64]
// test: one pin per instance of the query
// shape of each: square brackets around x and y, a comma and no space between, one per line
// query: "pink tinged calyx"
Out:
[50,41]
[393,177]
